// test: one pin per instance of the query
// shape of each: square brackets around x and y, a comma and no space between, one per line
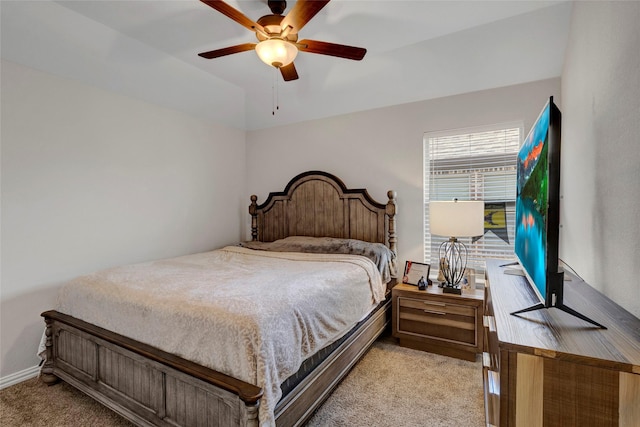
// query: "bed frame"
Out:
[151,387]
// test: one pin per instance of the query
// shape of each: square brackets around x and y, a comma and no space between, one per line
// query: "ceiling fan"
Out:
[277,35]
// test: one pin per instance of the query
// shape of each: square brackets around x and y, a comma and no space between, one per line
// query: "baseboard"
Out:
[18,377]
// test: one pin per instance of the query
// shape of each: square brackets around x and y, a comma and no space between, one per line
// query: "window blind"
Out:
[474,164]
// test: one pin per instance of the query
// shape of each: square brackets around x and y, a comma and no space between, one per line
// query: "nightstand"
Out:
[433,321]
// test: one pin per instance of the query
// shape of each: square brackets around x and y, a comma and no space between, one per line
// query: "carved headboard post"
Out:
[391,213]
[253,211]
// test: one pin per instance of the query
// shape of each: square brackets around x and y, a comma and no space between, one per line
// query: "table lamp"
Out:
[455,219]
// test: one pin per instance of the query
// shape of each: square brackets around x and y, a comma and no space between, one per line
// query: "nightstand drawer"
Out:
[445,321]
[436,307]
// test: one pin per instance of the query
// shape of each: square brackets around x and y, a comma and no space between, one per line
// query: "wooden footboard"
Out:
[153,388]
[143,384]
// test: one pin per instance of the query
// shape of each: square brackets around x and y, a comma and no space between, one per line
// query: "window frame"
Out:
[483,164]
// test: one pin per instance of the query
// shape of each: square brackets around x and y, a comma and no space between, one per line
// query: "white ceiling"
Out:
[416,50]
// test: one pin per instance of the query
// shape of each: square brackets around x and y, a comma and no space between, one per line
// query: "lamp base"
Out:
[451,289]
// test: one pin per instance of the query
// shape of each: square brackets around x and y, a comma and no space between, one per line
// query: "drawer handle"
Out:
[439,304]
[434,312]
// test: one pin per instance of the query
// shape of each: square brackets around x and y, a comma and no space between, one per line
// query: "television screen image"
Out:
[532,203]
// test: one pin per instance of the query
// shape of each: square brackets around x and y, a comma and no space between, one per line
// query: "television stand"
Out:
[509,264]
[561,307]
[556,300]
[550,369]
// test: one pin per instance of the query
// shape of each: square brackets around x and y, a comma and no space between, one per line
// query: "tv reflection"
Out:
[531,247]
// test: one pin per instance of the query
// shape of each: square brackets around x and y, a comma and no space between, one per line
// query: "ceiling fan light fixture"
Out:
[276,52]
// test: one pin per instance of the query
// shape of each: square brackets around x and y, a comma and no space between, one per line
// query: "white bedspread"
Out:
[253,315]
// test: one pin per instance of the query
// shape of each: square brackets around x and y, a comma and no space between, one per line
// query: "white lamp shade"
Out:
[457,218]
[276,52]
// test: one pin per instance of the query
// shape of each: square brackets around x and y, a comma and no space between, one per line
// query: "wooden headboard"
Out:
[318,204]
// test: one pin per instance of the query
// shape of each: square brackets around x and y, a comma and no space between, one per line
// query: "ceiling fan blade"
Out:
[302,12]
[234,14]
[228,50]
[332,49]
[289,72]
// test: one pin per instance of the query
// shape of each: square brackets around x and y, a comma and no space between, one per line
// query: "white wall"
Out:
[601,150]
[381,149]
[92,179]
[50,36]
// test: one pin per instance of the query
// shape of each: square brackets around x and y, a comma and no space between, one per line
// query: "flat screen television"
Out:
[537,222]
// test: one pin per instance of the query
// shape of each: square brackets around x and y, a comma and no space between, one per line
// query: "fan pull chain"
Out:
[274,93]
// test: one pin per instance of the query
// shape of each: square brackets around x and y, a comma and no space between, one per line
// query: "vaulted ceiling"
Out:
[416,50]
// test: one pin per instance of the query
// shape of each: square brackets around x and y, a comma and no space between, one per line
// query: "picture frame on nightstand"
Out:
[469,278]
[413,271]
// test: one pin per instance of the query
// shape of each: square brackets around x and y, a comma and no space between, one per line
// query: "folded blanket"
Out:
[383,257]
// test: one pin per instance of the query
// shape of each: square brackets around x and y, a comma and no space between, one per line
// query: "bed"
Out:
[150,386]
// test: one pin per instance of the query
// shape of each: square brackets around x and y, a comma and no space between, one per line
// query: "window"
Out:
[474,164]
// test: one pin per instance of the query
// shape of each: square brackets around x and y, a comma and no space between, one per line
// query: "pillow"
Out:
[383,257]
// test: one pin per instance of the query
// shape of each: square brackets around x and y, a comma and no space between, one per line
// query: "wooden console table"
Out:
[548,368]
